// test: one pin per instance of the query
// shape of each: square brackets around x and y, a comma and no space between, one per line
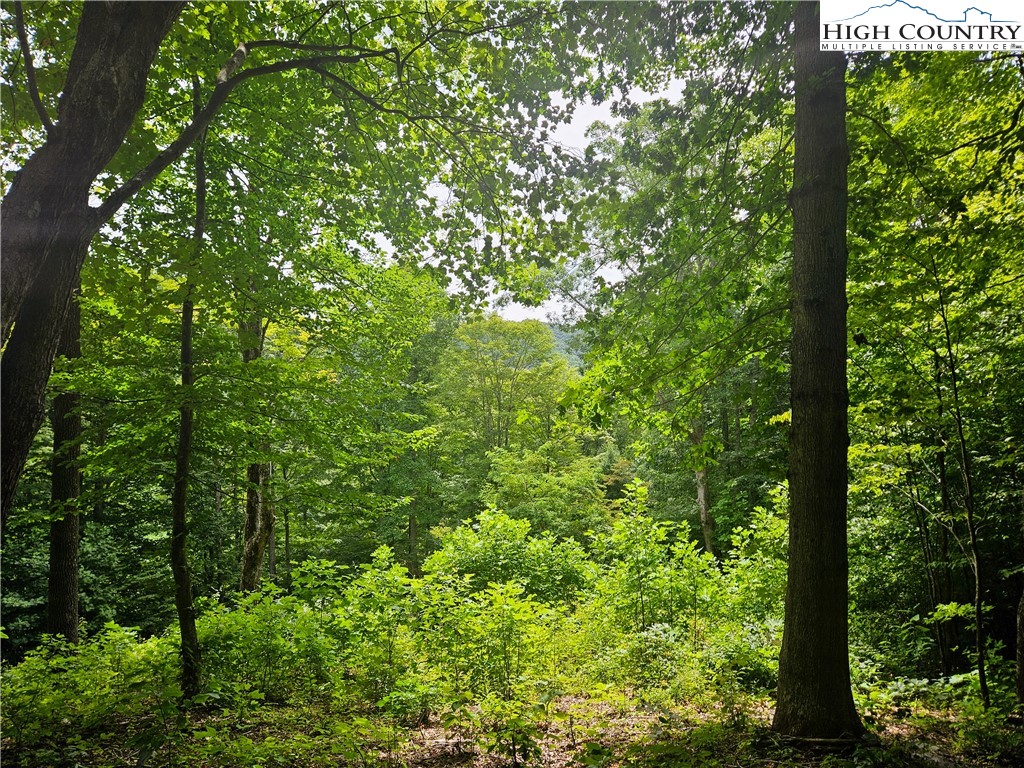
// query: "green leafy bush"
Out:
[498,549]
[271,646]
[61,691]
[377,607]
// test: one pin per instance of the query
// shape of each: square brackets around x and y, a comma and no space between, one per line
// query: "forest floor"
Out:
[635,735]
[579,732]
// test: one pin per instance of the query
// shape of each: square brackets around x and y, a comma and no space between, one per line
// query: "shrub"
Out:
[270,646]
[61,691]
[499,549]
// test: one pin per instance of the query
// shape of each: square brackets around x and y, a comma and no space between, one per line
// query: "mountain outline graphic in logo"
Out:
[921,25]
[936,16]
[904,6]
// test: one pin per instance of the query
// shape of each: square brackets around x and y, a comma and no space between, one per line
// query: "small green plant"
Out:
[510,728]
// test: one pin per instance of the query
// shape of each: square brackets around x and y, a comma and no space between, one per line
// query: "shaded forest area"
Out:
[282,488]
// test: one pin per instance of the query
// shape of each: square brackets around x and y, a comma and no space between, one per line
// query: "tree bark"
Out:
[814,697]
[46,222]
[183,600]
[105,87]
[1020,650]
[65,489]
[707,522]
[190,654]
[253,541]
[259,510]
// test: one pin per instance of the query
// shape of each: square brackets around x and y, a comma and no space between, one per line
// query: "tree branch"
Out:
[227,81]
[237,60]
[321,48]
[30,71]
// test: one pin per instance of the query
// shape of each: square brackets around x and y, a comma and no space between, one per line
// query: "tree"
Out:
[47,221]
[259,510]
[495,387]
[500,382]
[191,656]
[934,286]
[691,327]
[65,489]
[555,486]
[815,699]
[399,71]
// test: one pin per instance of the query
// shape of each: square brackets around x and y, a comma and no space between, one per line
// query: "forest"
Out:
[352,415]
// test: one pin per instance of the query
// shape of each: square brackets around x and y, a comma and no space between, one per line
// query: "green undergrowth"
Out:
[606,729]
[511,649]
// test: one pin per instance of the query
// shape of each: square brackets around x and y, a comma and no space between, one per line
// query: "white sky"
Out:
[573,135]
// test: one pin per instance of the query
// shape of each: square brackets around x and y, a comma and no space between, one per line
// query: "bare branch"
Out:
[30,71]
[320,17]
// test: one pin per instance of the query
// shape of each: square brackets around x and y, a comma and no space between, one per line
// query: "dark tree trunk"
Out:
[65,489]
[190,653]
[814,698]
[259,524]
[183,602]
[46,222]
[1020,650]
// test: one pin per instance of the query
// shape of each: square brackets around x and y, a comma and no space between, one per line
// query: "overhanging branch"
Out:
[227,80]
[30,70]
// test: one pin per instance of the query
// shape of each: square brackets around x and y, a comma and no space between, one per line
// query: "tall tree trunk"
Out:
[814,698]
[287,551]
[969,496]
[46,221]
[1020,651]
[259,524]
[190,655]
[65,489]
[259,511]
[707,522]
[183,602]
